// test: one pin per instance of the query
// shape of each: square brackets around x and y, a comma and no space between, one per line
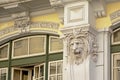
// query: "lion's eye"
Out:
[77,43]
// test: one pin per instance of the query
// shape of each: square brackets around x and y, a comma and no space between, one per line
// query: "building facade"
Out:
[59,40]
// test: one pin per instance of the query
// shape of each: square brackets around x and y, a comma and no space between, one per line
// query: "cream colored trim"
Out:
[7,52]
[113,43]
[28,55]
[50,43]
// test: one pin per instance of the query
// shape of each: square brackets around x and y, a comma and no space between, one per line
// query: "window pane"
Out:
[36,72]
[24,75]
[55,44]
[4,52]
[52,68]
[21,47]
[59,67]
[56,70]
[37,45]
[16,74]
[3,74]
[41,70]
[116,37]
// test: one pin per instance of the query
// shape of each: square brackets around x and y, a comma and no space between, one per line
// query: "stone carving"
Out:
[22,21]
[80,44]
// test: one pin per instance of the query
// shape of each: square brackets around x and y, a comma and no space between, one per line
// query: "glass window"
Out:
[21,74]
[29,46]
[116,36]
[21,47]
[16,74]
[55,70]
[39,72]
[4,51]
[3,74]
[56,44]
[37,45]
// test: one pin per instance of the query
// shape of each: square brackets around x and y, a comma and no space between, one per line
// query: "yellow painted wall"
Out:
[105,21]
[6,24]
[48,17]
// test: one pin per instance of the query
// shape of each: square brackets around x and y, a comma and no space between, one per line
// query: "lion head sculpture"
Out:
[78,50]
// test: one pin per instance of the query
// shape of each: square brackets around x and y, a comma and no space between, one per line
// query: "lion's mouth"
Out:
[78,51]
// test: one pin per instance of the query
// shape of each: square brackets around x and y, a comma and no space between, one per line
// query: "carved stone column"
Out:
[80,48]
[79,37]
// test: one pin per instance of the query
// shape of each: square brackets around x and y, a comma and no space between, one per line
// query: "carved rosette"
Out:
[80,44]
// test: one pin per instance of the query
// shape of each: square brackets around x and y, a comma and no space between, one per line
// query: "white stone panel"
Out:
[78,13]
[100,59]
[99,73]
[100,40]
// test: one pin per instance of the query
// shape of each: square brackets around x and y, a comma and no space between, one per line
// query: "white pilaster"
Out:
[103,64]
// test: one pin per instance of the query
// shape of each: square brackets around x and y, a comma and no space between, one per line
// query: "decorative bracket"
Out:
[99,8]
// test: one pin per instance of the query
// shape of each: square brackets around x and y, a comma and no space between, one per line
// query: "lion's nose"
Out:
[74,46]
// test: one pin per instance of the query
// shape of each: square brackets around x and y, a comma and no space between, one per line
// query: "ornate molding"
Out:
[22,21]
[81,42]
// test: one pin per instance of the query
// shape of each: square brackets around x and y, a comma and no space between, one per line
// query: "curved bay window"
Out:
[28,46]
[31,58]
